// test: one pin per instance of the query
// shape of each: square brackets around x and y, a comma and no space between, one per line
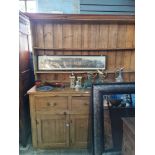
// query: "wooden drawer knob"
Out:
[51,104]
[86,103]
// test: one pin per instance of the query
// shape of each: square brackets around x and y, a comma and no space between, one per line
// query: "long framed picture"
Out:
[71,62]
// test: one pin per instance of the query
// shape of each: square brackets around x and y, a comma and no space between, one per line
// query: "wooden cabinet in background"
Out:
[26,79]
[59,118]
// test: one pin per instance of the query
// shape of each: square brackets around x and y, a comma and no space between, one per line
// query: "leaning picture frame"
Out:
[71,62]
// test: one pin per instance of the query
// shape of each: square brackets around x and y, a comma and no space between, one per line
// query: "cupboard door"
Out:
[78,131]
[52,131]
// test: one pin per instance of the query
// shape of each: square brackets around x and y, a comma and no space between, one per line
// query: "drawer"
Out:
[80,105]
[51,103]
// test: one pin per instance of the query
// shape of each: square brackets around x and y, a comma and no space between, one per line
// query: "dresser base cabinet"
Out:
[59,119]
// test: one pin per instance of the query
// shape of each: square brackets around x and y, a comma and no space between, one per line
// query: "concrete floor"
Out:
[29,150]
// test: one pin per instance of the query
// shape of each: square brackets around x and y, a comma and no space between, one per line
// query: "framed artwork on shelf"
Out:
[71,62]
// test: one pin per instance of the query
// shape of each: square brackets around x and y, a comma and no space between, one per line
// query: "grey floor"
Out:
[29,150]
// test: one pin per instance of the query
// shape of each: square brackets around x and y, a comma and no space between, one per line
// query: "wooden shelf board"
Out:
[63,72]
[84,49]
[81,18]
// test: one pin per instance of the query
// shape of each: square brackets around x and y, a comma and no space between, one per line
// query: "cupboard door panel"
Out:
[52,131]
[79,131]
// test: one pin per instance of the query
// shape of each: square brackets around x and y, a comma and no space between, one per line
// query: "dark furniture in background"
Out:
[26,79]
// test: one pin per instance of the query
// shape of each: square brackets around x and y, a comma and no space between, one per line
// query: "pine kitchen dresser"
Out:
[59,118]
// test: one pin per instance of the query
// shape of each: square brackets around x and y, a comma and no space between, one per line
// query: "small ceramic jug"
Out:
[118,73]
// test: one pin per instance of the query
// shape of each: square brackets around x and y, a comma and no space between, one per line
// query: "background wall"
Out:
[118,7]
[64,6]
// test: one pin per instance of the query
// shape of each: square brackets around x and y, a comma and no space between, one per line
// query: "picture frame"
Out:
[99,91]
[58,63]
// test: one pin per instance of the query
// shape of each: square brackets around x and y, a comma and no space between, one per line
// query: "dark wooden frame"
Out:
[97,111]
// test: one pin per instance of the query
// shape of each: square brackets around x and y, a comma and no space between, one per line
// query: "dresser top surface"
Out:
[59,90]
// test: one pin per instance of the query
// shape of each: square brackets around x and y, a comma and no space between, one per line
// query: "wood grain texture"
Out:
[114,40]
[67,37]
[57,39]
[52,131]
[112,43]
[79,131]
[40,35]
[33,121]
[48,35]
[91,18]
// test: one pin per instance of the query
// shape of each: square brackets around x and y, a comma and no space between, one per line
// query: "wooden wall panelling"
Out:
[57,39]
[85,37]
[51,52]
[40,35]
[33,33]
[127,55]
[76,39]
[126,77]
[112,43]
[132,77]
[67,37]
[103,39]
[121,43]
[92,32]
[48,35]
[88,35]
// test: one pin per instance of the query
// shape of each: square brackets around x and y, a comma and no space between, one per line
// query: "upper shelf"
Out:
[84,49]
[81,18]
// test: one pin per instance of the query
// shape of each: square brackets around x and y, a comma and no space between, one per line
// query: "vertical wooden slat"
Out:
[129,43]
[112,43]
[40,35]
[126,77]
[67,38]
[57,31]
[48,35]
[103,36]
[121,43]
[92,30]
[130,36]
[84,38]
[103,39]
[76,40]
[58,38]
[132,77]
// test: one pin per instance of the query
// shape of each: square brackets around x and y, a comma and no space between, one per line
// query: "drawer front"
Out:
[51,103]
[80,105]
